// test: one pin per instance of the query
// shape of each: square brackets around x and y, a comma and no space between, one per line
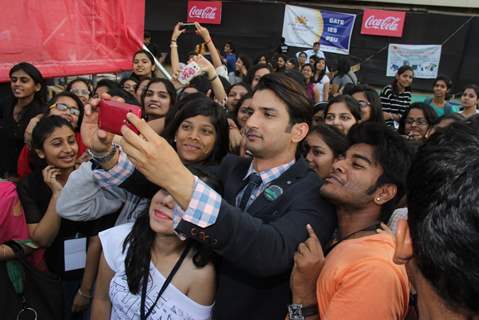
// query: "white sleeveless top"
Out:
[172,305]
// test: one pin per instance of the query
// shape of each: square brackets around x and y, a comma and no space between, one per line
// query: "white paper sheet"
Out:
[75,254]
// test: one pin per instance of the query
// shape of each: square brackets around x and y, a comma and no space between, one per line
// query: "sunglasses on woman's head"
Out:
[78,92]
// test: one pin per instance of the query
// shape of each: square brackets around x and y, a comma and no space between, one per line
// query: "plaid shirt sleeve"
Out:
[203,209]
[116,175]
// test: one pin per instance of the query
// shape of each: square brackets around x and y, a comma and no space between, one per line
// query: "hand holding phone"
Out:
[112,116]
[189,27]
[188,72]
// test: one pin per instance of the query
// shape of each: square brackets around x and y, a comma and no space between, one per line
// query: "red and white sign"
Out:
[208,12]
[383,23]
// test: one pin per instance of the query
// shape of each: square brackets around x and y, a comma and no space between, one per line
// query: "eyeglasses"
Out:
[419,121]
[363,104]
[64,107]
[79,92]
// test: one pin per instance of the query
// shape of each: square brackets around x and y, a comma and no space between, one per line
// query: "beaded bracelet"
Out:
[84,295]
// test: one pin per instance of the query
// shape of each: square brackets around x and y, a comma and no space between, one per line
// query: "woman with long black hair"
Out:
[370,102]
[28,99]
[53,141]
[152,271]
[322,81]
[143,65]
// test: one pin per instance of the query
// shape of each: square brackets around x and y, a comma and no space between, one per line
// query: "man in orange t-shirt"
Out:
[358,278]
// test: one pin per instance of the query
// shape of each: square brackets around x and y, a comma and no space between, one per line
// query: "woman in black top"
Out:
[28,99]
[54,142]
[199,132]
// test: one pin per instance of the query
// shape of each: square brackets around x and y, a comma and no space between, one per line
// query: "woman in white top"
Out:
[147,252]
[469,100]
[322,81]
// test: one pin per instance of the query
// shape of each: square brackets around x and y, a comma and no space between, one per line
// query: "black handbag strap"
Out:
[16,247]
[173,271]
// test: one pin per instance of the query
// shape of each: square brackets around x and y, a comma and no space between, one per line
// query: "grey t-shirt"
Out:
[341,81]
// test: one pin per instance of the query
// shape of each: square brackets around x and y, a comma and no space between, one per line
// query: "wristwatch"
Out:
[298,312]
[103,158]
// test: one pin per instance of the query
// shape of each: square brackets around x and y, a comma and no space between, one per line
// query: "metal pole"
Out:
[158,65]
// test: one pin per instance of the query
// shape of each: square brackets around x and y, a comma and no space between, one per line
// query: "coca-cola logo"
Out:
[203,13]
[387,23]
[383,23]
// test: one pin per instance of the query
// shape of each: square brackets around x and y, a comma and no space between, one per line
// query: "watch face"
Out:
[295,312]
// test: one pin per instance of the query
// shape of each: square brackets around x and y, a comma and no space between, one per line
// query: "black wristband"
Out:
[310,310]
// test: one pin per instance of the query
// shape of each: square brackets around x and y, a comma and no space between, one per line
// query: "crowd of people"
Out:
[267,188]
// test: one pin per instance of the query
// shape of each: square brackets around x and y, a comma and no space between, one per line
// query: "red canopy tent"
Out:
[70,37]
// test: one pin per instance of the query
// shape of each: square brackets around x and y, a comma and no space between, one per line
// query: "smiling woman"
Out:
[66,105]
[143,65]
[28,98]
[343,112]
[199,132]
[417,121]
[55,144]
[396,97]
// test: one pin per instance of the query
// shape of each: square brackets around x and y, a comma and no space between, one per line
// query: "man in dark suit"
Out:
[267,201]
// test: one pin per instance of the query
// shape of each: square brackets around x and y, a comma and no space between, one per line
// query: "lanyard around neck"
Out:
[372,227]
[173,271]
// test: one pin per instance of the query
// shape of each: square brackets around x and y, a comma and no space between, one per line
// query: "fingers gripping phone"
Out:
[189,27]
[112,115]
[188,72]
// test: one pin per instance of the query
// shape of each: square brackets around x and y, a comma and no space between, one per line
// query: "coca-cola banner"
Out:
[304,26]
[383,23]
[424,59]
[207,12]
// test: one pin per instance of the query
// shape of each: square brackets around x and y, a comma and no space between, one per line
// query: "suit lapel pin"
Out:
[273,192]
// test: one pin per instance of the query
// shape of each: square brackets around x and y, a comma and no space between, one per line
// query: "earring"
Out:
[378,199]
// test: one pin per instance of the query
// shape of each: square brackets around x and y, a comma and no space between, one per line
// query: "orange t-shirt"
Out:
[359,280]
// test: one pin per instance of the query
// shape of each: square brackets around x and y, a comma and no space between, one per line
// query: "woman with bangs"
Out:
[342,112]
[66,105]
[199,132]
[54,143]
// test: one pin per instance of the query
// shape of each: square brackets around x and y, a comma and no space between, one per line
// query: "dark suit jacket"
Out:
[258,246]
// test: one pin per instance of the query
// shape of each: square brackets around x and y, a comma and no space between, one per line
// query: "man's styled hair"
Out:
[291,93]
[391,152]
[443,198]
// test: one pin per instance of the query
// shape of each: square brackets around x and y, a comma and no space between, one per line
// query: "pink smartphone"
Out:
[188,72]
[112,115]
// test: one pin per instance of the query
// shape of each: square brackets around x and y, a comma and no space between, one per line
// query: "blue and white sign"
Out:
[423,59]
[304,26]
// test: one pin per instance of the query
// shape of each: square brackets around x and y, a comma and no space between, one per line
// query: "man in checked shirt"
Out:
[257,222]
